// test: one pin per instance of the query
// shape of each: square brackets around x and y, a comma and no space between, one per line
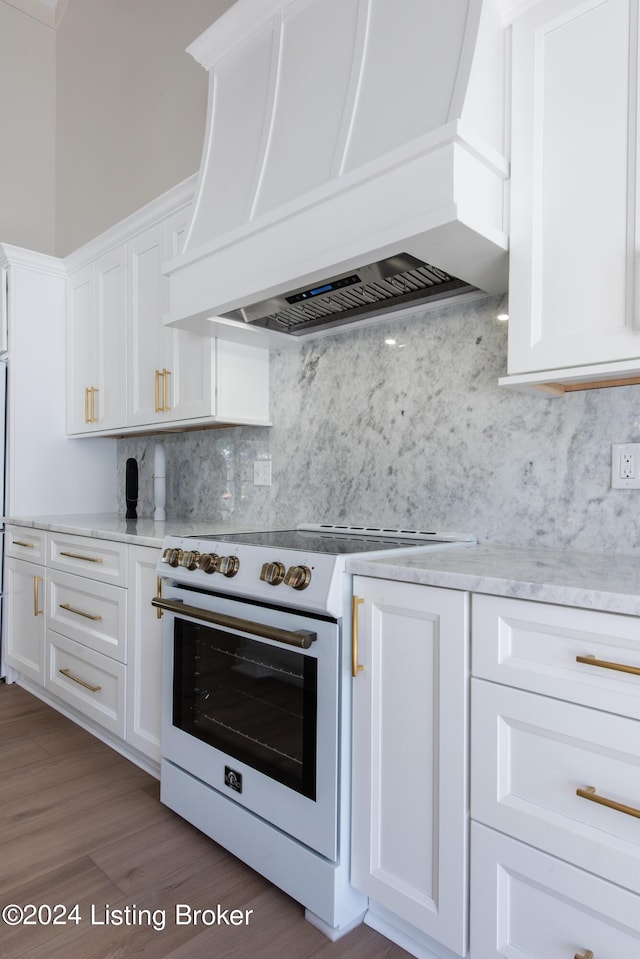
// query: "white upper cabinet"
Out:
[96,343]
[127,371]
[573,286]
[170,371]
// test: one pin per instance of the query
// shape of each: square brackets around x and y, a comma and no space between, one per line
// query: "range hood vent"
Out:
[343,135]
[386,286]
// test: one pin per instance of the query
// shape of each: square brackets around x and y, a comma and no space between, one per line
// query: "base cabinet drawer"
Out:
[22,542]
[582,655]
[92,613]
[92,683]
[558,776]
[527,903]
[94,558]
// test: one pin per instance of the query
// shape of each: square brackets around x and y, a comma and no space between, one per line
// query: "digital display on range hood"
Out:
[325,288]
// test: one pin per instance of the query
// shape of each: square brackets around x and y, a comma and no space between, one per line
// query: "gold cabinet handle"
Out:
[165,407]
[589,792]
[159,595]
[87,559]
[591,660]
[36,596]
[161,402]
[90,404]
[79,612]
[587,954]
[81,682]
[355,666]
[22,542]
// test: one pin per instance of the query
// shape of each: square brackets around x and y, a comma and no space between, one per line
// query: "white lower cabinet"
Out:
[82,632]
[144,673]
[555,782]
[24,589]
[410,757]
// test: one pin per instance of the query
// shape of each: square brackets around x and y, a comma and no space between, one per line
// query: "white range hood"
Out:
[341,133]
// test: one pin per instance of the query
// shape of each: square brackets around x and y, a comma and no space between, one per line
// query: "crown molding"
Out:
[48,12]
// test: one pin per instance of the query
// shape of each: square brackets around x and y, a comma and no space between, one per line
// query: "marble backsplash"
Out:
[416,434]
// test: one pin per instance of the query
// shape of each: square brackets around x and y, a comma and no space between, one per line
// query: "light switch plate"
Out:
[262,472]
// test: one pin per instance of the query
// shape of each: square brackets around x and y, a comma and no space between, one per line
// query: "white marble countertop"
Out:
[113,526]
[605,581]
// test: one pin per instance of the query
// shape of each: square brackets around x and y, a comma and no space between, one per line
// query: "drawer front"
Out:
[22,542]
[94,614]
[526,903]
[94,558]
[536,646]
[529,757]
[92,683]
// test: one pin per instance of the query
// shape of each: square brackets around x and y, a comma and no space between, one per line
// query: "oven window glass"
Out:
[253,701]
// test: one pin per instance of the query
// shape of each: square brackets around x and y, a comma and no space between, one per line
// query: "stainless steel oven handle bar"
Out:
[301,638]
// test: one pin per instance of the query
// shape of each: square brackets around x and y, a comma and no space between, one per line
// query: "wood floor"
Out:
[79,824]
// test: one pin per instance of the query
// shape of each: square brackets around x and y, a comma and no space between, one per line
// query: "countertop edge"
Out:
[608,582]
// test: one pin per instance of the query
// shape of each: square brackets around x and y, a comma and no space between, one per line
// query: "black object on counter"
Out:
[131,488]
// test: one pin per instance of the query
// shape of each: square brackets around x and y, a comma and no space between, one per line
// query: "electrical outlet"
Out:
[625,466]
[262,472]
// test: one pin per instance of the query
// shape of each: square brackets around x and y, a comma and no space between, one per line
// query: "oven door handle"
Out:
[301,638]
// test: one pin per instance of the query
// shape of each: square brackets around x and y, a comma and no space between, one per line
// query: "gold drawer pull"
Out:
[71,609]
[87,559]
[587,954]
[355,665]
[589,792]
[591,660]
[81,682]
[22,542]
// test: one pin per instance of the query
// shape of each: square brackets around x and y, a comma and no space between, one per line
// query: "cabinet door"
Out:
[25,620]
[82,340]
[410,752]
[109,403]
[145,647]
[96,386]
[169,370]
[573,252]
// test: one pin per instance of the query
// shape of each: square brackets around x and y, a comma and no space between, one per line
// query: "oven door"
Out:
[250,707]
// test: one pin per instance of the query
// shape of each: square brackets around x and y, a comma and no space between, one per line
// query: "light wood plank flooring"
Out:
[80,824]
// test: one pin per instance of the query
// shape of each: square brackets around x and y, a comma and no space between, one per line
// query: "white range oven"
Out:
[256,730]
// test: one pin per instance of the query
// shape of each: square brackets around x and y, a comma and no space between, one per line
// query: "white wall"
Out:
[27,81]
[131,108]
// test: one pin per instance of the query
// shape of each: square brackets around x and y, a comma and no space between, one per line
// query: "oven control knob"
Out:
[298,576]
[208,562]
[228,565]
[166,555]
[272,573]
[189,559]
[172,556]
